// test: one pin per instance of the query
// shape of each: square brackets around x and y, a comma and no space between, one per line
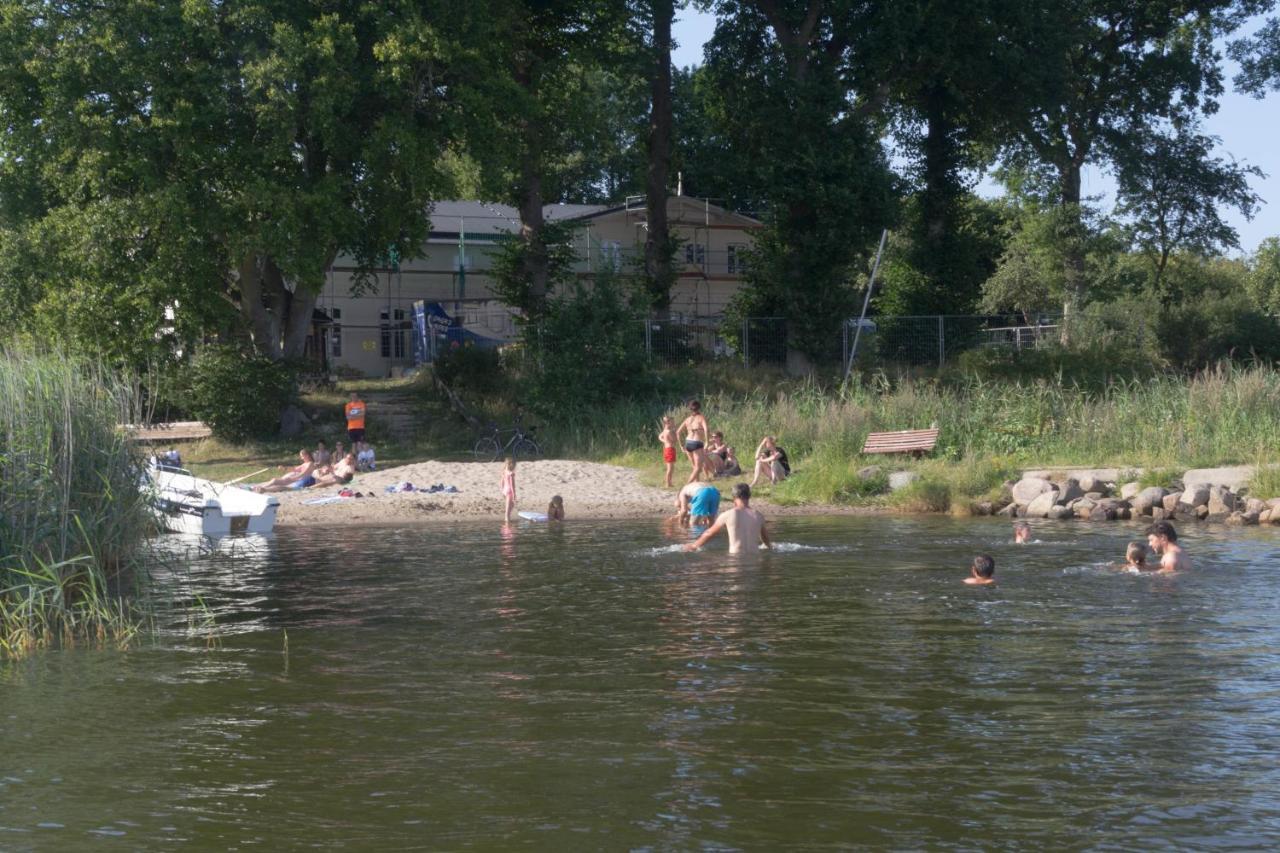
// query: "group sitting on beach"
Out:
[316,468]
[710,456]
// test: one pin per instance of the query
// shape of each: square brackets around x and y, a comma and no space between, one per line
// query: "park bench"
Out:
[917,442]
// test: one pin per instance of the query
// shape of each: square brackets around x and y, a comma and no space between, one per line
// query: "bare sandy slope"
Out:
[590,490]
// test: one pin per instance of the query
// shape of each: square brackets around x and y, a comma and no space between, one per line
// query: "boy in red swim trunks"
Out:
[668,438]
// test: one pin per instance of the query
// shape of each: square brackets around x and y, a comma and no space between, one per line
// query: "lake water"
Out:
[588,687]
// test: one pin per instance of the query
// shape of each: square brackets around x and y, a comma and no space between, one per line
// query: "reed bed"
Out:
[72,518]
[989,429]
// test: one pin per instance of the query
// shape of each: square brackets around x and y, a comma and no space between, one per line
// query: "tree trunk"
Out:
[935,251]
[1073,271]
[657,244]
[535,262]
[279,320]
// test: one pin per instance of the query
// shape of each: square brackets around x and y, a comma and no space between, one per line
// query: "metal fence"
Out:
[925,340]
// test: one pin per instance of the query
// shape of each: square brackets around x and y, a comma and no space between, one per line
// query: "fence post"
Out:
[844,346]
[648,339]
[942,342]
[746,343]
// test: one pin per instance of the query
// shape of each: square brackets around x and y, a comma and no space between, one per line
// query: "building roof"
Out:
[482,218]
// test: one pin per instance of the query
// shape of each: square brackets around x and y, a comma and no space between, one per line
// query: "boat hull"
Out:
[186,504]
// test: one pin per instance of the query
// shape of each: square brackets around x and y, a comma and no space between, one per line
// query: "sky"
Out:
[1248,127]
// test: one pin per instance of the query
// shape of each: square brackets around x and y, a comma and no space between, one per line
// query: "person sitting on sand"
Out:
[771,461]
[745,526]
[721,458]
[1163,539]
[555,509]
[1135,557]
[1021,533]
[291,476]
[667,435]
[321,454]
[983,571]
[339,474]
[365,460]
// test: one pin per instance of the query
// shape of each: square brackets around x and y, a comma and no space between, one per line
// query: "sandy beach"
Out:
[590,490]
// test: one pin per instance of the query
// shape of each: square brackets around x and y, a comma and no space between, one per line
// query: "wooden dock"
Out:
[163,433]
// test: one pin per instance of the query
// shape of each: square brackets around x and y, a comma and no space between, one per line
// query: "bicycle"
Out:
[489,448]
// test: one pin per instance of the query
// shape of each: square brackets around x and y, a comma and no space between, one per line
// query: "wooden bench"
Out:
[917,442]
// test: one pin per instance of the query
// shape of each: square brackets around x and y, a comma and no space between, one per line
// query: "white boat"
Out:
[187,504]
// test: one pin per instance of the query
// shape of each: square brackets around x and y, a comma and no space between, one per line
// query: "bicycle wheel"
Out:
[526,447]
[486,449]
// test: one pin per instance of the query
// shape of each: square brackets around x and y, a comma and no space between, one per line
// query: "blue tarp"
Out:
[434,329]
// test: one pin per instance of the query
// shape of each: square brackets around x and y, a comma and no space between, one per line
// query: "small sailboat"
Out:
[187,504]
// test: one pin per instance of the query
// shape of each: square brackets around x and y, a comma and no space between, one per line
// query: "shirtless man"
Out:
[293,475]
[695,441]
[340,474]
[1163,539]
[744,525]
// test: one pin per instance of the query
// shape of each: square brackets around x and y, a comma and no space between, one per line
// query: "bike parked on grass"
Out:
[521,444]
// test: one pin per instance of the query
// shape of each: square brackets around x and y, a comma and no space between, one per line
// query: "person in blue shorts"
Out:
[704,506]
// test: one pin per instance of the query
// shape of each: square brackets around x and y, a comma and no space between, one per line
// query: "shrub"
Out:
[240,396]
[1202,331]
[468,368]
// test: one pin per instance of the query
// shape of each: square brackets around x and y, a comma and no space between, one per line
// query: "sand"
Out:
[590,490]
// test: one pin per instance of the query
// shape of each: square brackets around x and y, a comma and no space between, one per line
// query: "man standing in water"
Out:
[694,428]
[744,525]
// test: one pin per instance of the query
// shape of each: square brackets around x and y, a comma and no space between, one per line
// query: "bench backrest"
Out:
[903,441]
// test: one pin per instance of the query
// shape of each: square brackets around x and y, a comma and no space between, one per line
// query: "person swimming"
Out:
[983,571]
[1021,533]
[1163,539]
[1135,557]
[744,525]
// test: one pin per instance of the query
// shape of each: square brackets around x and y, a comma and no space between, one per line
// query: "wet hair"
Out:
[695,406]
[1021,525]
[1136,552]
[556,501]
[984,565]
[1163,528]
[742,492]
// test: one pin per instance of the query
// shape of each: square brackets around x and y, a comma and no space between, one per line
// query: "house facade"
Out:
[370,334]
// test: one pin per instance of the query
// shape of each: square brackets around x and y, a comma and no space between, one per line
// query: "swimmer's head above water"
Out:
[1021,532]
[983,570]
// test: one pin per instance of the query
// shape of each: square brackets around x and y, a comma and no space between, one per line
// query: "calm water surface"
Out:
[588,687]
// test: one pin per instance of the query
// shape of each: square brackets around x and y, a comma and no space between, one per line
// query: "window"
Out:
[611,255]
[695,254]
[335,334]
[737,259]
[392,327]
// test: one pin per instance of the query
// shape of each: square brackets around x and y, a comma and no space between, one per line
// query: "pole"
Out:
[942,344]
[746,344]
[871,283]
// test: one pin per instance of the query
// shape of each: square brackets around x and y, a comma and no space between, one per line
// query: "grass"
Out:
[72,518]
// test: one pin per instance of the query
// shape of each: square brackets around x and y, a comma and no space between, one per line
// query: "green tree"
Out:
[184,155]
[1263,281]
[1173,191]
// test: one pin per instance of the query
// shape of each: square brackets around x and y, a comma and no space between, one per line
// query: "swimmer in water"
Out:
[744,525]
[982,572]
[1021,533]
[1163,539]
[1135,557]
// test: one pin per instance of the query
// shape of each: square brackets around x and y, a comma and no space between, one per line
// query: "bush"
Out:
[1212,327]
[240,396]
[468,368]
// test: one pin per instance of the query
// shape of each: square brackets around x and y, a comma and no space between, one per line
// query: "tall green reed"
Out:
[72,517]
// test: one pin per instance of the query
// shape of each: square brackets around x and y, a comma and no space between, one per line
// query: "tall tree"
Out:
[228,149]
[1102,70]
[659,268]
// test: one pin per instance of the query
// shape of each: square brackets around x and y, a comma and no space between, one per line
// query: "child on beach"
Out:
[983,571]
[1021,533]
[1163,539]
[668,438]
[555,509]
[509,486]
[1135,557]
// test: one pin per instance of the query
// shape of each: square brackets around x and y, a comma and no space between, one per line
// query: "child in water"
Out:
[668,438]
[509,486]
[983,571]
[1135,557]
[1021,533]
[555,509]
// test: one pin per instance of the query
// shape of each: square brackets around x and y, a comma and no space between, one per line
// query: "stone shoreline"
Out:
[1208,494]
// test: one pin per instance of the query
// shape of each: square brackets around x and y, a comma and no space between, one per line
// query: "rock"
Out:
[1146,499]
[983,508]
[293,421]
[1103,513]
[1235,519]
[1234,477]
[870,472]
[1170,501]
[1251,517]
[1026,490]
[902,479]
[1255,506]
[1264,517]
[1130,490]
[1202,512]
[1058,513]
[1273,503]
[1124,512]
[1158,513]
[1094,495]
[1084,507]
[1009,511]
[1068,490]
[1221,501]
[1195,496]
[1041,504]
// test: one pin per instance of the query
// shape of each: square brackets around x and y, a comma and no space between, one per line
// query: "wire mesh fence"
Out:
[917,341]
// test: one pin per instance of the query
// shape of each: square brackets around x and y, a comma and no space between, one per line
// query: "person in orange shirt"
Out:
[355,410]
